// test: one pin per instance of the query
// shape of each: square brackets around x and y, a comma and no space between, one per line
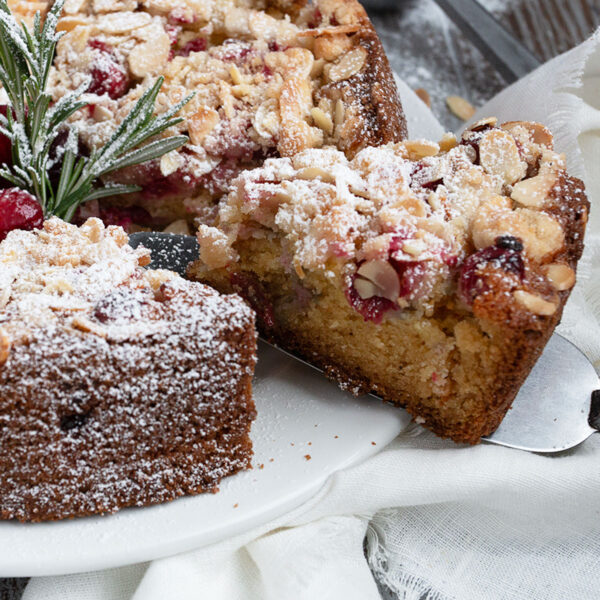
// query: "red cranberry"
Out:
[19,210]
[108,76]
[505,254]
[218,180]
[316,20]
[235,51]
[197,45]
[180,16]
[372,309]
[173,32]
[250,288]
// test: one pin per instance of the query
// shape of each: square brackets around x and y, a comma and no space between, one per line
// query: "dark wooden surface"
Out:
[428,52]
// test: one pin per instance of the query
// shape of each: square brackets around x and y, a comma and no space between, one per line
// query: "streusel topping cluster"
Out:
[56,275]
[268,78]
[400,224]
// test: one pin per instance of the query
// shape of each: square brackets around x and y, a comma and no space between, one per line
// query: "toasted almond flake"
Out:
[87,326]
[414,247]
[149,58]
[170,162]
[242,90]
[5,345]
[201,123]
[538,133]
[535,304]
[560,275]
[366,289]
[489,121]
[448,142]
[322,120]
[311,173]
[338,117]
[423,94]
[462,108]
[417,149]
[68,23]
[384,276]
[351,28]
[235,75]
[349,65]
[180,227]
[499,156]
[534,191]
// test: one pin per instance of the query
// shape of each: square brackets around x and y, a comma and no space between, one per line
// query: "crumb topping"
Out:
[268,78]
[411,222]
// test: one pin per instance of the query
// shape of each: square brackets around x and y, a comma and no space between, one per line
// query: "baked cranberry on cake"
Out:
[270,78]
[431,274]
[119,386]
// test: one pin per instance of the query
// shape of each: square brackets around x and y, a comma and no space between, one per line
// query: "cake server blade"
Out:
[557,407]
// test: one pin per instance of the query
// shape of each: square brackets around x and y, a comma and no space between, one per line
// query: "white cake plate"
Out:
[306,430]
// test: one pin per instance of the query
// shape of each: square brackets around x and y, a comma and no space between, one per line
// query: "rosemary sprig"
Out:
[34,123]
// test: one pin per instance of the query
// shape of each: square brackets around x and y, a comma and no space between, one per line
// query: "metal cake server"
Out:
[557,408]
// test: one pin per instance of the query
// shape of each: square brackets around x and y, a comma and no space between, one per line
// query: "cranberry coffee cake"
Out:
[119,386]
[431,274]
[270,78]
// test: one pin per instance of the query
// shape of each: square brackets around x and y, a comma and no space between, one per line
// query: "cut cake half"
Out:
[430,274]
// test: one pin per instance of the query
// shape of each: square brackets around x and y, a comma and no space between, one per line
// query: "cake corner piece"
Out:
[119,386]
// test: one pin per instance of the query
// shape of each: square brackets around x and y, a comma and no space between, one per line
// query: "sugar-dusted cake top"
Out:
[399,222]
[89,280]
[268,77]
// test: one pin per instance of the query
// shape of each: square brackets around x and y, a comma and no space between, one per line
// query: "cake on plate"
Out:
[270,78]
[119,386]
[430,274]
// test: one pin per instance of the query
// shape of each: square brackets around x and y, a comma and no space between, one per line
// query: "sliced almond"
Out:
[340,110]
[535,304]
[414,247]
[417,149]
[561,276]
[181,227]
[349,65]
[366,289]
[534,191]
[448,142]
[311,173]
[329,48]
[5,345]
[322,120]
[383,276]
[201,123]
[538,133]
[170,162]
[499,156]
[84,324]
[462,108]
[150,57]
[489,121]
[423,94]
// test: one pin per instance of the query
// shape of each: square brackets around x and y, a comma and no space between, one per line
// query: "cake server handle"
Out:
[509,56]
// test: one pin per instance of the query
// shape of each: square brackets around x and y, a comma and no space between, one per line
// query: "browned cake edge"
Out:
[56,480]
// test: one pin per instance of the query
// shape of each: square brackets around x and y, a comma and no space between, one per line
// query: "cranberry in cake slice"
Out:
[270,78]
[119,386]
[431,274]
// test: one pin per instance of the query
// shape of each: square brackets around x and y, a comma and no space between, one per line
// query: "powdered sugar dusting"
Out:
[119,386]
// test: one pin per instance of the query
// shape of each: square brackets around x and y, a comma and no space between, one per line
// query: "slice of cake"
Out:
[431,274]
[119,386]
[271,78]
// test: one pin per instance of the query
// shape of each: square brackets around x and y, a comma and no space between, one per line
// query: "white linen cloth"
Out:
[442,522]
